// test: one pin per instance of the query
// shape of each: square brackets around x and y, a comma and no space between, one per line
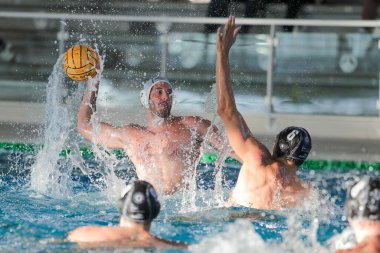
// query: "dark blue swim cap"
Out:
[292,142]
[139,202]
[363,199]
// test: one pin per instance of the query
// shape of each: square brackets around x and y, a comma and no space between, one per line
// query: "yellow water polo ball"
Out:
[80,62]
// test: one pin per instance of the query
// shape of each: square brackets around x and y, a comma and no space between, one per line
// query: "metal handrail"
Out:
[200,20]
[190,20]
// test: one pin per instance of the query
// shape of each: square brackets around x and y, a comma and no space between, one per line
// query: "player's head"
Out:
[139,202]
[292,143]
[157,96]
[363,200]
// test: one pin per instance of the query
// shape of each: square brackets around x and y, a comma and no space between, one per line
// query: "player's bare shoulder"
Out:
[134,131]
[195,121]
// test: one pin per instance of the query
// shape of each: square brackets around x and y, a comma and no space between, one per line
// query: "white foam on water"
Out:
[303,223]
[300,235]
[344,240]
[299,238]
[242,237]
[237,237]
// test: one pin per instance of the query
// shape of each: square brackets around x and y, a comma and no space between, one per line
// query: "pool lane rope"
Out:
[207,158]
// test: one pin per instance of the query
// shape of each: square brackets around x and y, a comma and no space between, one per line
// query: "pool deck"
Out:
[334,138]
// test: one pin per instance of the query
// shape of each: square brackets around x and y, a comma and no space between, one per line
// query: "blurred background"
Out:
[310,63]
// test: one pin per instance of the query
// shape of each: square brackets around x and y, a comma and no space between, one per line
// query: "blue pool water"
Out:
[44,196]
[35,222]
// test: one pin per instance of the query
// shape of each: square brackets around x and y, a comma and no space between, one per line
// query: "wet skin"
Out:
[164,151]
[264,182]
[128,234]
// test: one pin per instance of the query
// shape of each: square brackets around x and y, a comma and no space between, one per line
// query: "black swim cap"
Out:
[363,199]
[292,142]
[139,202]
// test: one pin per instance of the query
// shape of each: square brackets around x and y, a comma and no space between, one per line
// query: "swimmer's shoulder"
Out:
[84,234]
[94,234]
[195,121]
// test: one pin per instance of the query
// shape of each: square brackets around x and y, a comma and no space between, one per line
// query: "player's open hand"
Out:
[225,39]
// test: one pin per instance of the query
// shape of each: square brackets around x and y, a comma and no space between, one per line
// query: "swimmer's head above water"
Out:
[139,202]
[138,207]
[292,143]
[157,96]
[145,92]
[363,200]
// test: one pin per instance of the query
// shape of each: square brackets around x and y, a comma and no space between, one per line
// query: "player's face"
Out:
[161,99]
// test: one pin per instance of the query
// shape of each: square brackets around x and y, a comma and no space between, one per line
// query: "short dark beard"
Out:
[162,114]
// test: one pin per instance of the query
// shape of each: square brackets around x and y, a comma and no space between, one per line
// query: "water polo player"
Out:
[164,149]
[138,207]
[265,181]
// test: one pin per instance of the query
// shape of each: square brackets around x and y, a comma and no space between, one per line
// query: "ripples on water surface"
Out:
[34,222]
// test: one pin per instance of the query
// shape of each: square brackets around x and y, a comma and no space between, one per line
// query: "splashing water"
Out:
[191,195]
[223,154]
[237,237]
[224,149]
[47,173]
[298,234]
[107,162]
[51,173]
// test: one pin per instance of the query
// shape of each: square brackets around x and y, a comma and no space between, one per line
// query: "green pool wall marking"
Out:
[207,158]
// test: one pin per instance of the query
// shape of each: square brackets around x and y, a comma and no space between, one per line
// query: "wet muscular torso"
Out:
[164,154]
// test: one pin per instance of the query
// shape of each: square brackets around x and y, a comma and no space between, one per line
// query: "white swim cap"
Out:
[144,94]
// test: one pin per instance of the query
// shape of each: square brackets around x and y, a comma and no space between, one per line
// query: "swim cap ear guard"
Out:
[363,199]
[145,93]
[292,143]
[139,203]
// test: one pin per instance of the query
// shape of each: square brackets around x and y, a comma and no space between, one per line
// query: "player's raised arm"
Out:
[82,63]
[239,135]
